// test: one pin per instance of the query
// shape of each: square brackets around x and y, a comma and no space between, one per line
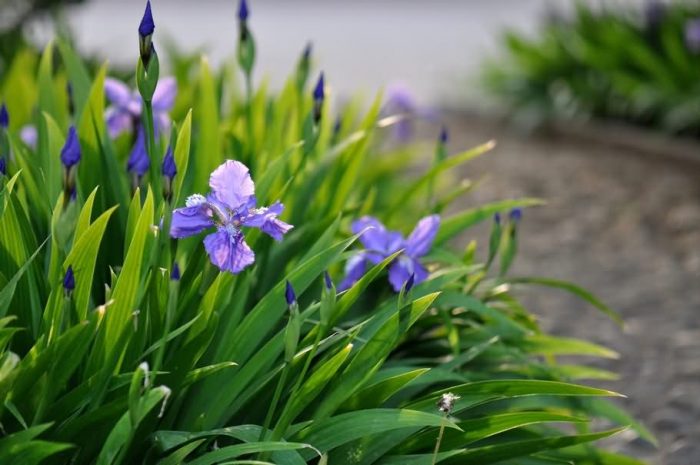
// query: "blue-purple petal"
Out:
[118,121]
[232,185]
[188,221]
[401,270]
[266,220]
[29,135]
[421,239]
[355,268]
[118,93]
[228,250]
[139,162]
[376,237]
[164,95]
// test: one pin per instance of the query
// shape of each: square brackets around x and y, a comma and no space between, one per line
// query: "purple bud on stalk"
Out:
[497,218]
[327,280]
[69,280]
[516,214]
[444,135]
[243,12]
[3,166]
[290,295]
[146,29]
[169,169]
[70,153]
[147,25]
[175,273]
[319,95]
[4,116]
[306,54]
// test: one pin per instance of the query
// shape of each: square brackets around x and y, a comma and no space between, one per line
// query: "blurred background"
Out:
[595,107]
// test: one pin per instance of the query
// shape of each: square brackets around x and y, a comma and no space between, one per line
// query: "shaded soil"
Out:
[627,227]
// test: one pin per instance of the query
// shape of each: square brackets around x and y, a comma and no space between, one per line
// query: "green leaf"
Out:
[455,224]
[333,432]
[572,288]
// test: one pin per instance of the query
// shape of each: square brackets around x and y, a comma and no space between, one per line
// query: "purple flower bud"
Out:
[444,135]
[139,162]
[4,116]
[147,25]
[289,294]
[243,12]
[3,166]
[70,153]
[654,13]
[306,54]
[516,214]
[69,280]
[692,35]
[175,273]
[327,280]
[169,169]
[497,218]
[409,282]
[319,93]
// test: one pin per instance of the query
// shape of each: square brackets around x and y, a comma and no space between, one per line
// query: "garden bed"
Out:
[628,228]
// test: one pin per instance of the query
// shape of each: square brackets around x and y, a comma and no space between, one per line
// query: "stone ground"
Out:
[627,227]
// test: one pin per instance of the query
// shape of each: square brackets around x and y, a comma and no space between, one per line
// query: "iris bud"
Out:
[146,29]
[319,95]
[69,281]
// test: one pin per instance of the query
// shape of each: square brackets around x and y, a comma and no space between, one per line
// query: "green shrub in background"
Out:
[123,345]
[641,66]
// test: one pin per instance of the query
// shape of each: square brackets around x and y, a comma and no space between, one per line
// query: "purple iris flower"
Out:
[380,243]
[401,101]
[139,162]
[29,135]
[692,35]
[126,108]
[230,205]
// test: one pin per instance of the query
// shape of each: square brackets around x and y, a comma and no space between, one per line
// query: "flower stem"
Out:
[151,147]
[437,443]
[275,400]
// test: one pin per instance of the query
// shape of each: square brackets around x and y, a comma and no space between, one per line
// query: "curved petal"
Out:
[189,221]
[118,121]
[355,268]
[29,135]
[161,123]
[232,185]
[402,269]
[422,237]
[164,95]
[117,92]
[265,218]
[228,251]
[376,237]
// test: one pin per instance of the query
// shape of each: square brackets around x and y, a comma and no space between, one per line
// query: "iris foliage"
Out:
[615,62]
[122,342]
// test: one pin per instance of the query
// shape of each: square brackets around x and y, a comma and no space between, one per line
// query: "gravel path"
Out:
[626,227]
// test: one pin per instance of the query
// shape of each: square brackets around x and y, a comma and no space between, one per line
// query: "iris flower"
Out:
[380,243]
[125,112]
[229,207]
[401,101]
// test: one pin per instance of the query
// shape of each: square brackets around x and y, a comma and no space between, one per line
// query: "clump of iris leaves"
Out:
[634,64]
[142,323]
